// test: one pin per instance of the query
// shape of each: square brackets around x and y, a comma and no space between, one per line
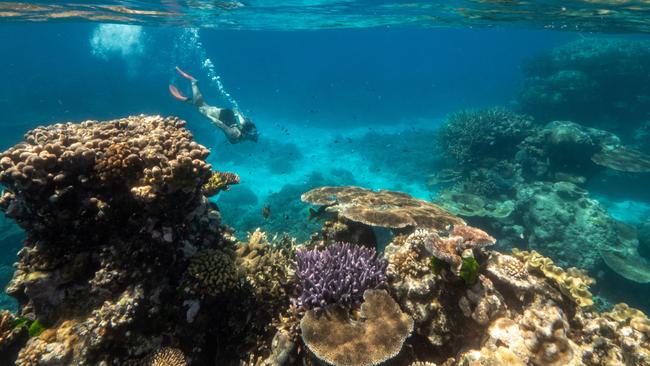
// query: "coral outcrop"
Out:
[378,336]
[562,220]
[114,215]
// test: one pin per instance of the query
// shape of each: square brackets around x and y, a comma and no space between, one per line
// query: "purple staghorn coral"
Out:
[338,274]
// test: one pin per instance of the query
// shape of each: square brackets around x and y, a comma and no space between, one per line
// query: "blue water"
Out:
[330,104]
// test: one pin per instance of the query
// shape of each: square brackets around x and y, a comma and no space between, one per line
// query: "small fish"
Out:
[266,211]
[317,214]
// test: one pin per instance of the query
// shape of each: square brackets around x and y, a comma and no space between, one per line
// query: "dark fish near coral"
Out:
[318,214]
[266,211]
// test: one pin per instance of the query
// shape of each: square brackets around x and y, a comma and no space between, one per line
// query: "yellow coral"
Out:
[622,313]
[167,356]
[219,181]
[573,283]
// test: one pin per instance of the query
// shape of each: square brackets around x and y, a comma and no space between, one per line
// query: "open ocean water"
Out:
[530,120]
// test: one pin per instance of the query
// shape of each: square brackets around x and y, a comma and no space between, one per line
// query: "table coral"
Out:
[382,208]
[337,340]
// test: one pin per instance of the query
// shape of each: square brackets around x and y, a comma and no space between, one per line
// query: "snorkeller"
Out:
[234,125]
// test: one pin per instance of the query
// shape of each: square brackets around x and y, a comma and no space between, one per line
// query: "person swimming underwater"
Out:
[234,125]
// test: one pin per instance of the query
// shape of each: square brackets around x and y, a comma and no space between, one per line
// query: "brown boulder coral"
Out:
[213,272]
[113,211]
[394,210]
[510,271]
[376,337]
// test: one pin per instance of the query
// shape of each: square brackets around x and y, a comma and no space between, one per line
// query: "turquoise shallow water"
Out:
[530,121]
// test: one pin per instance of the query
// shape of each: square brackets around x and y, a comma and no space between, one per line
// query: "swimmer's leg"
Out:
[176,94]
[185,75]
[197,97]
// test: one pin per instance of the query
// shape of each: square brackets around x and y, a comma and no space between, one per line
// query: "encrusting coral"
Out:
[573,282]
[378,336]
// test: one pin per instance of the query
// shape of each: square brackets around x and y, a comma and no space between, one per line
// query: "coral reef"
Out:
[114,214]
[383,208]
[125,261]
[338,274]
[334,338]
[473,137]
[600,82]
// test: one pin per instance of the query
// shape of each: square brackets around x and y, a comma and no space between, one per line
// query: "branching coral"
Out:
[573,282]
[166,356]
[336,339]
[213,272]
[338,274]
[470,137]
